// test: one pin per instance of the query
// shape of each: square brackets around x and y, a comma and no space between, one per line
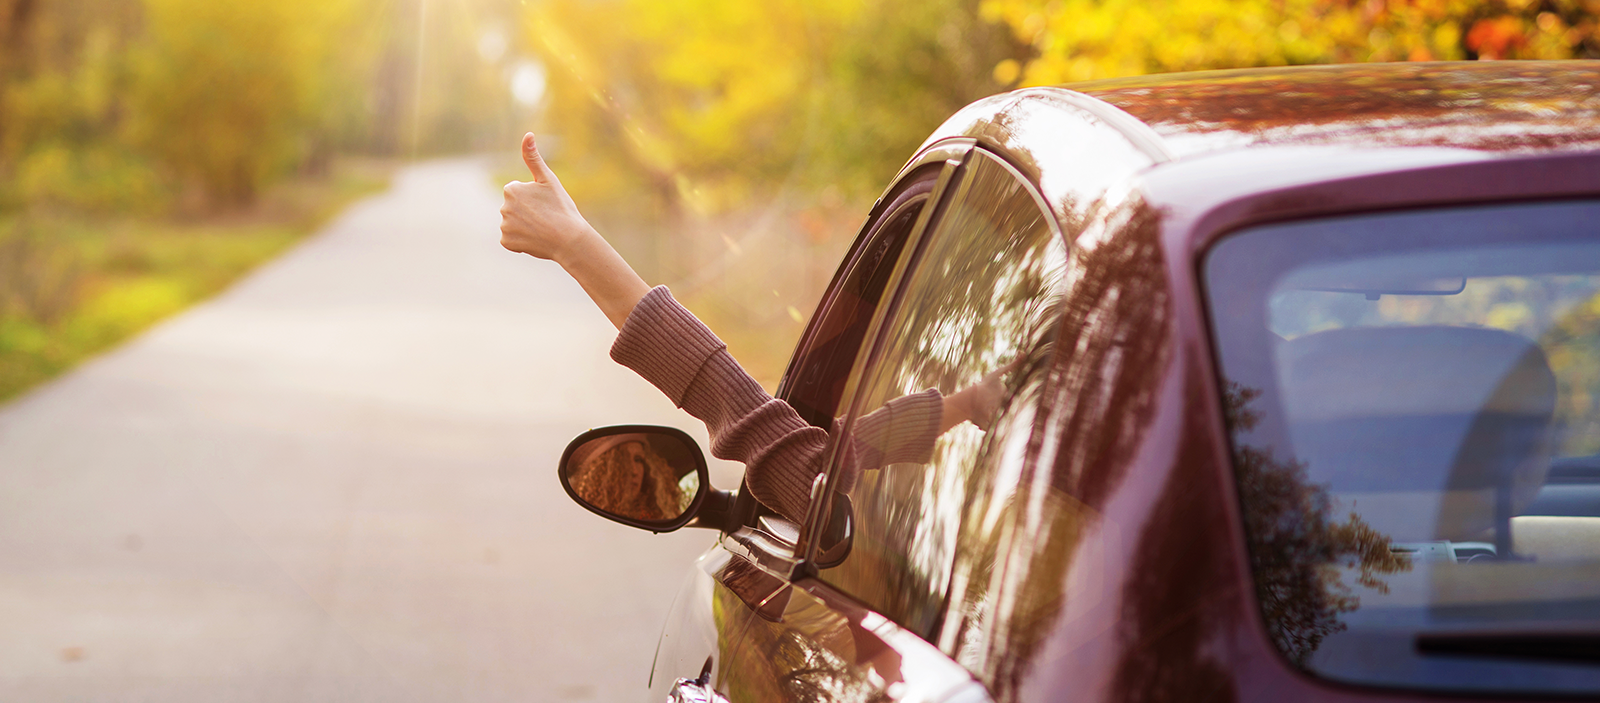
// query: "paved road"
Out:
[336,483]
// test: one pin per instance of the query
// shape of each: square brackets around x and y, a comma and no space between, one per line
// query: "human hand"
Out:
[538,217]
[978,402]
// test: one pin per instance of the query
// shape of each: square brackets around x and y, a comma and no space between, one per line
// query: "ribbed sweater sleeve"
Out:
[669,347]
[903,430]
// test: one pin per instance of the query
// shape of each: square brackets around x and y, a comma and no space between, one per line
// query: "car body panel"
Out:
[1049,135]
[810,642]
[690,635]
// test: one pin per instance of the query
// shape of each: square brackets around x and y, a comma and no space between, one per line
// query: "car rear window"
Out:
[1414,405]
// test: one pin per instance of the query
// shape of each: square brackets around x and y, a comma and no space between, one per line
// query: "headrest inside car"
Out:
[1418,426]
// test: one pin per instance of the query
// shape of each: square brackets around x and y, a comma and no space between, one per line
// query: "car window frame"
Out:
[946,156]
[807,546]
[953,180]
[748,513]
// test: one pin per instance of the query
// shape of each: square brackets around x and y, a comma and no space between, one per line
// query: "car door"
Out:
[973,296]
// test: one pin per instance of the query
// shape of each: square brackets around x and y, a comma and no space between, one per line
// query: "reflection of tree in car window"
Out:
[1572,344]
[1296,548]
[1038,512]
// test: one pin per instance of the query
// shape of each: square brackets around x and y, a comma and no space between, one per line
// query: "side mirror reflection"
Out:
[649,477]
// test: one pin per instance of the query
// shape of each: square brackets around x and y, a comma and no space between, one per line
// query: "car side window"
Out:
[977,298]
[815,379]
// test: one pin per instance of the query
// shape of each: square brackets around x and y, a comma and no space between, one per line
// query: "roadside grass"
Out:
[72,286]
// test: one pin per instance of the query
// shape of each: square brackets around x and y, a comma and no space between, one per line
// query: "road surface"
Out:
[335,482]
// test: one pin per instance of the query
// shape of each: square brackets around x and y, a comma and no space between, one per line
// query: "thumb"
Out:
[536,165]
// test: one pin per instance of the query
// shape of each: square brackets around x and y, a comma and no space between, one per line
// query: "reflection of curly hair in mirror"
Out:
[623,474]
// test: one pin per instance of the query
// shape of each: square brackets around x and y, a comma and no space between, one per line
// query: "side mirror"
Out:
[649,477]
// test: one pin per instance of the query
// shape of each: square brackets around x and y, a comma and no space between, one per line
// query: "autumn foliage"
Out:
[151,151]
[726,139]
[1085,39]
[715,105]
[143,106]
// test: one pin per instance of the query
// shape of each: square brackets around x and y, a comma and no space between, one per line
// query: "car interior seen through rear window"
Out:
[1414,402]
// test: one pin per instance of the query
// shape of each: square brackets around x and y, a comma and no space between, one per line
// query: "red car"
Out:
[1302,402]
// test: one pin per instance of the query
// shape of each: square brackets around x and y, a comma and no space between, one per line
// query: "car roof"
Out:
[1510,106]
[1190,142]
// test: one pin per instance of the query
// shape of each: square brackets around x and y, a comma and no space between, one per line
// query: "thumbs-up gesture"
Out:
[540,219]
[538,216]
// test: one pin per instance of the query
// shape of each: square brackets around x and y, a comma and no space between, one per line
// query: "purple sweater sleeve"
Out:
[668,346]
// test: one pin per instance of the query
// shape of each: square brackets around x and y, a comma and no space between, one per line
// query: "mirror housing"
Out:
[645,476]
[838,533]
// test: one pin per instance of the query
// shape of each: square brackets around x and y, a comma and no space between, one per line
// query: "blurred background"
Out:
[152,150]
[330,479]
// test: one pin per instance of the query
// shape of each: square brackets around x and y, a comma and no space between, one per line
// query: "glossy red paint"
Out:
[1510,106]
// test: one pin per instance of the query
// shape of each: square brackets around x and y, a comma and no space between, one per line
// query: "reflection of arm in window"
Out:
[675,352]
[976,403]
[903,430]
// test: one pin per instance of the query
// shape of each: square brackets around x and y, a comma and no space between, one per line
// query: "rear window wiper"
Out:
[1570,647]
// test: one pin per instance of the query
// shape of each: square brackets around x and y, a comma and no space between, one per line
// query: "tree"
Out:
[223,93]
[711,106]
[1086,39]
